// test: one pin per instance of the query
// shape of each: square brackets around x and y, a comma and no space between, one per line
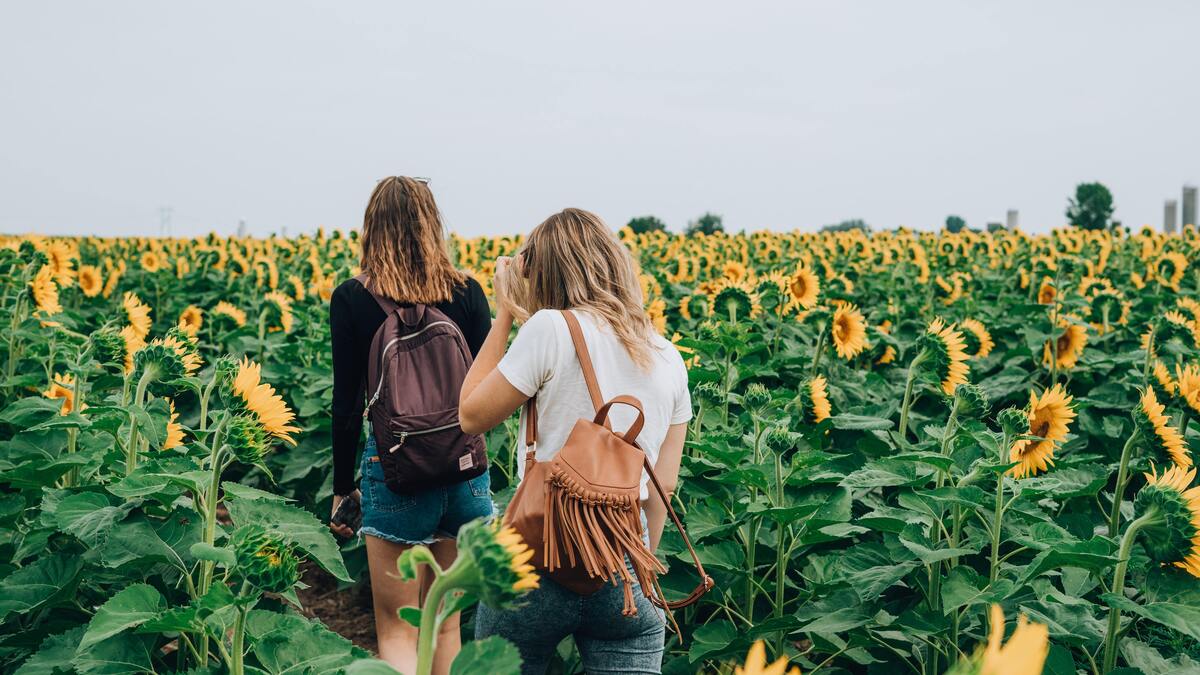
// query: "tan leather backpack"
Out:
[580,512]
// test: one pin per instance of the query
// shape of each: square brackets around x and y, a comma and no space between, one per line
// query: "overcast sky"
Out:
[778,115]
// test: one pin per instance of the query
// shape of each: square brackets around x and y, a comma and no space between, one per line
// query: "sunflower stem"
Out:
[205,396]
[1151,517]
[1114,518]
[139,397]
[431,617]
[998,512]
[820,349]
[908,391]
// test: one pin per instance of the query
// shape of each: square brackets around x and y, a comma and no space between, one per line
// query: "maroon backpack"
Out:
[415,370]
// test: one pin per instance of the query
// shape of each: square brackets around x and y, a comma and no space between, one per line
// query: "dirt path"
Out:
[347,612]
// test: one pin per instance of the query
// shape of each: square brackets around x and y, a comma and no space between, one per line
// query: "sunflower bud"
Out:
[247,439]
[709,393]
[756,397]
[1013,421]
[109,347]
[265,561]
[970,400]
[780,440]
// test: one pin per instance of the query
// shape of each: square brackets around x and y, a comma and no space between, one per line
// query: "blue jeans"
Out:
[421,517]
[608,642]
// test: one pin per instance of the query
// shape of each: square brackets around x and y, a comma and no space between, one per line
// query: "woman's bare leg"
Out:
[397,638]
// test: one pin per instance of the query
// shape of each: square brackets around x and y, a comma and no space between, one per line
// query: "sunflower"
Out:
[493,563]
[138,315]
[259,398]
[191,319]
[62,386]
[1068,346]
[734,300]
[978,339]
[1172,326]
[1190,306]
[1050,417]
[690,358]
[1024,654]
[656,311]
[520,554]
[133,344]
[45,291]
[150,262]
[804,287]
[61,262]
[1169,269]
[1046,292]
[280,311]
[849,331]
[298,292]
[1174,536]
[1165,441]
[1108,307]
[948,349]
[1187,383]
[814,400]
[110,284]
[90,281]
[1164,385]
[233,313]
[756,663]
[733,271]
[174,430]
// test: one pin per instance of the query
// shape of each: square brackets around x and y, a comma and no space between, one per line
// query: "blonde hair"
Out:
[574,261]
[403,244]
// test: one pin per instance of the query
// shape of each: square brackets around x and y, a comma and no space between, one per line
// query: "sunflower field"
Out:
[911,453]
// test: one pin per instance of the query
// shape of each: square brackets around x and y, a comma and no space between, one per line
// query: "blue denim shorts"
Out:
[421,517]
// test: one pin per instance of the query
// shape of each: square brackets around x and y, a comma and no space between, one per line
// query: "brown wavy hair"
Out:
[404,244]
[573,260]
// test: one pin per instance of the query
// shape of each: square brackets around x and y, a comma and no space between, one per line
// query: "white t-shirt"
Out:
[541,361]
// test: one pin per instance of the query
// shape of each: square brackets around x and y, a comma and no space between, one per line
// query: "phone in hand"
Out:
[349,513]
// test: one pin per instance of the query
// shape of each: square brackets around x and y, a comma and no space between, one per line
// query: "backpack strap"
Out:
[589,378]
[410,315]
[585,359]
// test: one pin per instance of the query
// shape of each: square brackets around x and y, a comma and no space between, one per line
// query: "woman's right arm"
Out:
[666,469]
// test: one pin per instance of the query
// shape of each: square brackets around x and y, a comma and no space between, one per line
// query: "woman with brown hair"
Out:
[404,258]
[573,261]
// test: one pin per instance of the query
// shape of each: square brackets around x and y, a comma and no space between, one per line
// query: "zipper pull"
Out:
[403,437]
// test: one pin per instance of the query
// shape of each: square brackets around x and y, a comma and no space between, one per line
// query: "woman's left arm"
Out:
[666,469]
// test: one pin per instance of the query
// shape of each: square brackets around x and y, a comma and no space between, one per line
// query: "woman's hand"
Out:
[339,528]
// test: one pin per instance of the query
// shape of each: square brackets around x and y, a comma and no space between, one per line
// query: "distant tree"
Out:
[995,227]
[1091,207]
[644,224]
[709,223]
[955,224]
[847,225]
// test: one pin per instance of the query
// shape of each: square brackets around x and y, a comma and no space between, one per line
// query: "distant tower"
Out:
[1189,205]
[164,220]
[1170,209]
[241,231]
[1011,219]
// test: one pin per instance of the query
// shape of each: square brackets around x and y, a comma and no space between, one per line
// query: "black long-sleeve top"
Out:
[354,316]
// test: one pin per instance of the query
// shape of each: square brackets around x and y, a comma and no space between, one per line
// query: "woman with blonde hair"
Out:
[405,260]
[573,261]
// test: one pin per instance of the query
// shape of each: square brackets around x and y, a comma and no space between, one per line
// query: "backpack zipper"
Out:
[405,434]
[383,358]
